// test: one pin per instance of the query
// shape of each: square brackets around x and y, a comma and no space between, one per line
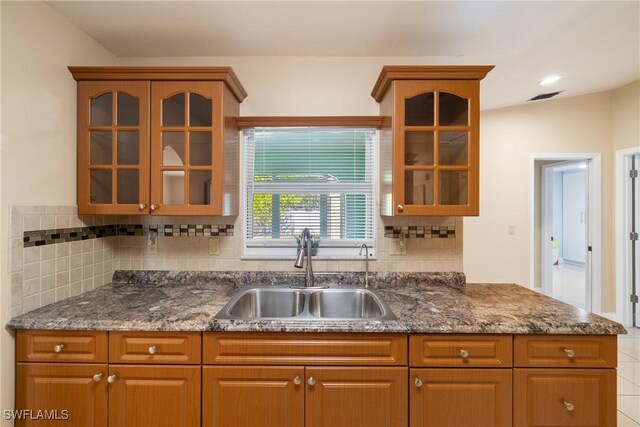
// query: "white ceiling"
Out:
[594,46]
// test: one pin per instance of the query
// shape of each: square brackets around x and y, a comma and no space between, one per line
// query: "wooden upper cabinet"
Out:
[158,140]
[430,139]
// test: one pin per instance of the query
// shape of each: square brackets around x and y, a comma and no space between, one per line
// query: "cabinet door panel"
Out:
[161,396]
[113,147]
[460,397]
[564,397]
[62,387]
[253,396]
[356,397]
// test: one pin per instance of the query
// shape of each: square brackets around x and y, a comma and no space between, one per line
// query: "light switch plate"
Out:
[395,248]
[214,246]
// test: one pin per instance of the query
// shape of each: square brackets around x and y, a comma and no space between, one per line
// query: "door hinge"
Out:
[633,173]
[633,236]
[590,248]
[634,298]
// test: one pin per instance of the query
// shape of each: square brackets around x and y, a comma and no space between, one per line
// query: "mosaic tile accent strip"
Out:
[62,235]
[420,231]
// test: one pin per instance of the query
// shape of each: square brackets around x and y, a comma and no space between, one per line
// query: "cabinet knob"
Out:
[417,382]
[464,353]
[568,406]
[311,381]
[153,207]
[569,352]
[142,207]
[152,349]
[58,348]
[297,380]
[97,377]
[111,379]
[400,208]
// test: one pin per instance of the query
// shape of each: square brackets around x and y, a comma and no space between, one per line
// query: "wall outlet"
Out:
[395,248]
[214,246]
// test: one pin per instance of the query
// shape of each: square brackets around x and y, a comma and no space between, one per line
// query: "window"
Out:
[321,178]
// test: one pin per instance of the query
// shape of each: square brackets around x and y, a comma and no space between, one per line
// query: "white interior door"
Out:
[574,217]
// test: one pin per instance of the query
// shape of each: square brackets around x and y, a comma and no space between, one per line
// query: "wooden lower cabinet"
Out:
[564,397]
[252,396]
[59,387]
[460,397]
[356,397]
[157,396]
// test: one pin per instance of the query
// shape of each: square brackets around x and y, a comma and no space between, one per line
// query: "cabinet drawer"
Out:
[461,350]
[154,347]
[61,346]
[304,348]
[564,397]
[566,351]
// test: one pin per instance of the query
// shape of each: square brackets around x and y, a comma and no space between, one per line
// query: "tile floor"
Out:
[629,378]
[569,284]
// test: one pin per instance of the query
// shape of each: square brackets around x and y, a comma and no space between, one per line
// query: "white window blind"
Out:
[321,178]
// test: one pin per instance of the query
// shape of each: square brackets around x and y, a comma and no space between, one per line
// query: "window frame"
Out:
[335,249]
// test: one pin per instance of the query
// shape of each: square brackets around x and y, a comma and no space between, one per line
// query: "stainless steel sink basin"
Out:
[306,304]
[345,304]
[268,303]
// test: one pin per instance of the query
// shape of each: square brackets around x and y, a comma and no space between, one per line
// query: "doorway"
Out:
[565,231]
[627,236]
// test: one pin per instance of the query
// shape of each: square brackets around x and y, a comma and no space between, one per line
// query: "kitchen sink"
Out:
[306,304]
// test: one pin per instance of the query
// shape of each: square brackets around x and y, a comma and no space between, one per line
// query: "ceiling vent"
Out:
[545,96]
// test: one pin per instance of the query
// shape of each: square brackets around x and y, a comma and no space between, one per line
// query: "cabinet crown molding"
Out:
[225,74]
[390,73]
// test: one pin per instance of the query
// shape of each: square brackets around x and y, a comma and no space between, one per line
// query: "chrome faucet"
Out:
[366,264]
[306,245]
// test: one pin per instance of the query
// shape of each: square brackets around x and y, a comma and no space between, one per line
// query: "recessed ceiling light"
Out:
[548,80]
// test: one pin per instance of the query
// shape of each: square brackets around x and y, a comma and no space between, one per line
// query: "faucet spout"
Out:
[306,250]
[366,264]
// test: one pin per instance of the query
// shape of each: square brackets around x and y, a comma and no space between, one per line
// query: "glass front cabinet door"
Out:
[164,144]
[430,140]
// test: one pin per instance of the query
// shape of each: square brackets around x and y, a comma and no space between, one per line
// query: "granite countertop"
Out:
[422,302]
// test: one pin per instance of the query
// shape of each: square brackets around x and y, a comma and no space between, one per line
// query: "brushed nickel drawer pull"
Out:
[58,348]
[297,380]
[570,353]
[97,377]
[311,381]
[152,349]
[111,379]
[417,382]
[464,353]
[569,406]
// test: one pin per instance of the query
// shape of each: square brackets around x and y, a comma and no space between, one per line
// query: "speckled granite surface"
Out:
[423,303]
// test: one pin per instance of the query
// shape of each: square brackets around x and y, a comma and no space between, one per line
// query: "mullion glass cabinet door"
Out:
[113,147]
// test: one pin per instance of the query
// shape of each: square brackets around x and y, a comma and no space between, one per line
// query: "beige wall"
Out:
[596,123]
[38,127]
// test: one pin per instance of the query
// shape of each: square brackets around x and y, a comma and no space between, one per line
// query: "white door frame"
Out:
[623,227]
[594,172]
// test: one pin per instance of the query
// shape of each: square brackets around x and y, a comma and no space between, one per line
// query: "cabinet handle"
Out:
[569,352]
[153,207]
[311,381]
[152,349]
[58,348]
[568,406]
[464,353]
[297,380]
[111,379]
[142,207]
[417,382]
[400,208]
[97,377]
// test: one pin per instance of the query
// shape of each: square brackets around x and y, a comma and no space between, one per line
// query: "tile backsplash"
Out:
[56,254]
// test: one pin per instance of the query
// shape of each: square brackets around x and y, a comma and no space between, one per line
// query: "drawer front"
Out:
[155,347]
[564,397]
[461,350]
[304,348]
[61,346]
[566,351]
